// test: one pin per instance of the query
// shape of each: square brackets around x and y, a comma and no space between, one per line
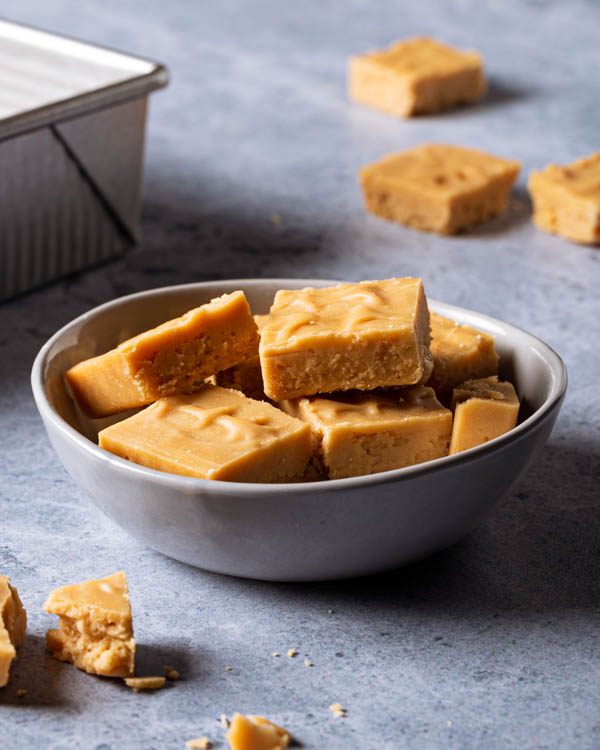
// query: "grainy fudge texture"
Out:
[415,76]
[566,200]
[358,432]
[351,336]
[247,375]
[459,353]
[166,359]
[438,188]
[95,631]
[13,624]
[214,433]
[256,733]
[483,409]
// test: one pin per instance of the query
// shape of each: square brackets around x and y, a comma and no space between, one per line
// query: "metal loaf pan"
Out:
[72,121]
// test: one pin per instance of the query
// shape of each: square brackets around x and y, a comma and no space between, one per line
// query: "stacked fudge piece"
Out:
[348,380]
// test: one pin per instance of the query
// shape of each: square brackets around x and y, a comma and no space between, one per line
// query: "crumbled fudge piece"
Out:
[483,409]
[13,624]
[213,433]
[247,375]
[95,631]
[438,188]
[375,333]
[358,432]
[166,359]
[416,76]
[566,200]
[256,733]
[145,683]
[459,353]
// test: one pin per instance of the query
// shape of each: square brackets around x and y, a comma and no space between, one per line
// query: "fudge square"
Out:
[95,631]
[459,353]
[415,76]
[166,359]
[438,188]
[365,335]
[247,375]
[359,432]
[483,409]
[566,200]
[213,433]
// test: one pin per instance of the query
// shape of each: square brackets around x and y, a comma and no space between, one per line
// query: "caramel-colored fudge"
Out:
[483,409]
[256,733]
[566,200]
[415,76]
[459,353]
[166,359]
[214,433]
[13,624]
[247,375]
[438,188]
[95,631]
[358,433]
[366,335]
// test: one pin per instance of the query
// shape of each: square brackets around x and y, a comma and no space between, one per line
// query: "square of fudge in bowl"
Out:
[292,531]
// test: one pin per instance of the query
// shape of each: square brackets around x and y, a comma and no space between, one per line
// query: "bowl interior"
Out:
[536,370]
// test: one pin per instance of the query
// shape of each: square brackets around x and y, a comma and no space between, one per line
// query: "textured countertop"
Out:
[493,643]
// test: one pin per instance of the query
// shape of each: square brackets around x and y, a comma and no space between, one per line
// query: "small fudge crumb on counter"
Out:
[224,721]
[483,409]
[256,733]
[357,433]
[459,353]
[95,631]
[364,335]
[566,200]
[308,663]
[200,743]
[13,624]
[166,359]
[416,76]
[438,188]
[213,433]
[145,683]
[21,692]
[337,710]
[291,652]
[171,673]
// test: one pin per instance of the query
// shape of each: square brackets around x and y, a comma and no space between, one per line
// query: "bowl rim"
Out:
[196,485]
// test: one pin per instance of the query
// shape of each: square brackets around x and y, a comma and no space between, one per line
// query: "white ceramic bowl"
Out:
[286,532]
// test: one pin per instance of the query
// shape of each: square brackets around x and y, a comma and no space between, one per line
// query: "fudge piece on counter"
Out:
[256,733]
[166,359]
[95,631]
[13,624]
[416,76]
[247,375]
[483,409]
[566,200]
[362,432]
[350,336]
[459,353]
[438,188]
[213,433]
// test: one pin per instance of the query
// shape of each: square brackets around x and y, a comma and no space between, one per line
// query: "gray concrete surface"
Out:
[495,642]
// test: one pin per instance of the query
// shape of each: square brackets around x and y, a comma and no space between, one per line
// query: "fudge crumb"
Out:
[228,669]
[171,672]
[21,692]
[449,723]
[276,219]
[291,652]
[275,653]
[144,683]
[308,663]
[224,721]
[329,611]
[337,710]
[200,743]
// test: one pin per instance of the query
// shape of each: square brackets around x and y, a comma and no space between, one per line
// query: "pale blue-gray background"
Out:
[492,644]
